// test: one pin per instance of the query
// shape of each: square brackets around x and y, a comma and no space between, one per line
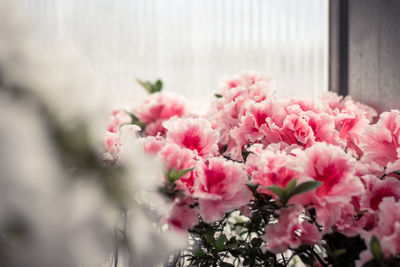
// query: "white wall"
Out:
[191,44]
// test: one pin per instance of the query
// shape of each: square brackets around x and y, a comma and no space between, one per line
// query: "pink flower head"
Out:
[351,122]
[195,134]
[153,144]
[112,141]
[387,231]
[331,100]
[323,127]
[335,169]
[118,118]
[221,188]
[393,167]
[268,168]
[377,190]
[112,145]
[381,140]
[183,215]
[256,123]
[244,78]
[178,158]
[289,231]
[351,221]
[157,108]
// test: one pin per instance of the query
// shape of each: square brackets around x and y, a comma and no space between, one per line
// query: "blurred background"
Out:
[190,44]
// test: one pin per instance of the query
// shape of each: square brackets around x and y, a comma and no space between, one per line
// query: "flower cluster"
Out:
[312,181]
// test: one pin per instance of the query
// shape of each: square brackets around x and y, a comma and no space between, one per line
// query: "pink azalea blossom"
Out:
[184,214]
[351,121]
[255,125]
[351,220]
[118,118]
[221,188]
[289,231]
[331,100]
[157,108]
[336,170]
[244,78]
[175,157]
[195,134]
[381,140]
[112,141]
[111,145]
[377,190]
[153,144]
[268,168]
[387,231]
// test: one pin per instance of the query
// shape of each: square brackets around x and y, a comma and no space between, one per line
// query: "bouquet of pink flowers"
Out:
[267,181]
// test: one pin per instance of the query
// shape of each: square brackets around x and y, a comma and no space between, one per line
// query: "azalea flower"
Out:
[220,188]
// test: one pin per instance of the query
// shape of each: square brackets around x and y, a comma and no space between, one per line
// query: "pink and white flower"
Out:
[381,140]
[157,108]
[290,231]
[221,188]
[195,134]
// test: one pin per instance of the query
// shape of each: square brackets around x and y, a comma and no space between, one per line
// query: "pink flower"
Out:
[112,145]
[381,140]
[112,141]
[221,188]
[268,168]
[351,221]
[175,157]
[323,127]
[183,215]
[393,167]
[245,79]
[387,231]
[351,122]
[331,100]
[336,170]
[153,144]
[377,190]
[157,108]
[195,134]
[256,123]
[118,118]
[289,231]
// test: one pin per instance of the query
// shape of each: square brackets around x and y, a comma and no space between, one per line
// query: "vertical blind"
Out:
[190,44]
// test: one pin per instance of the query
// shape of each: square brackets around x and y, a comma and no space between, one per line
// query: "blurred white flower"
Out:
[51,215]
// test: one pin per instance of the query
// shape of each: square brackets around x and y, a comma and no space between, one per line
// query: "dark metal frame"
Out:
[339,46]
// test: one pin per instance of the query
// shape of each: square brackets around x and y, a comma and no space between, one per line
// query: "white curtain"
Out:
[190,44]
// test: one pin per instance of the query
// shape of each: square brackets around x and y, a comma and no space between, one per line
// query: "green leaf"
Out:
[199,254]
[135,120]
[145,85]
[376,248]
[305,187]
[307,260]
[220,242]
[225,264]
[157,86]
[337,253]
[218,95]
[289,187]
[210,238]
[174,175]
[277,190]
